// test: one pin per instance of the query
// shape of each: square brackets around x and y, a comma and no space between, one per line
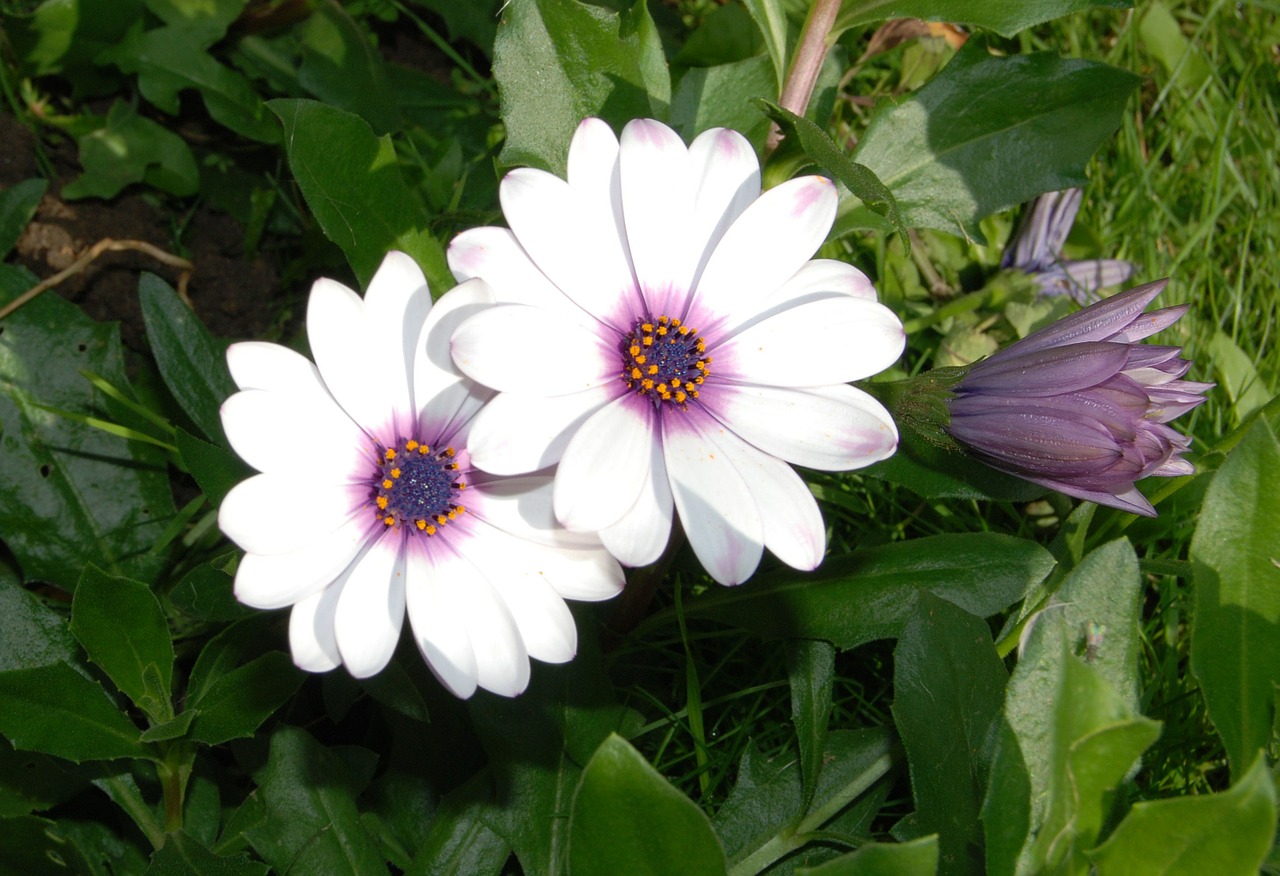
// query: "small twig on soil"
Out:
[106,245]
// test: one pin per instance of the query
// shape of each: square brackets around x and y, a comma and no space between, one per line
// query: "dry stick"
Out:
[106,245]
[810,52]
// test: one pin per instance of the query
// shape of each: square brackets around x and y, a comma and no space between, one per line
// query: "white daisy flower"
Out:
[663,336]
[367,505]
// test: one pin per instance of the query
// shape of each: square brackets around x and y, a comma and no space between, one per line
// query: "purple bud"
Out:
[1080,406]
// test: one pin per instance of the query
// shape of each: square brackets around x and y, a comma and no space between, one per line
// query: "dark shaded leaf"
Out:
[205,592]
[34,634]
[31,782]
[811,673]
[1005,19]
[215,468]
[56,710]
[916,858]
[17,206]
[129,149]
[236,703]
[182,855]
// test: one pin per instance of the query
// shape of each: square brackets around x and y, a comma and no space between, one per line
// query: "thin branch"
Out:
[806,64]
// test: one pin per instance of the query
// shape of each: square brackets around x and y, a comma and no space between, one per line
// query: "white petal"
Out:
[495,255]
[502,663]
[822,277]
[830,340]
[544,621]
[604,468]
[274,514]
[311,637]
[563,236]
[658,190]
[641,536]
[728,175]
[517,433]
[443,397]
[397,303]
[343,343]
[768,243]
[594,175]
[838,428]
[436,616]
[521,506]
[276,580]
[793,528]
[515,348]
[283,434]
[371,608]
[715,504]
[263,365]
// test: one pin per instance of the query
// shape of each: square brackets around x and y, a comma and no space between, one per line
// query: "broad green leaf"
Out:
[355,190]
[31,782]
[988,133]
[174,728]
[174,58]
[460,842]
[857,178]
[215,468]
[56,710]
[559,61]
[71,493]
[129,149]
[182,855]
[948,691]
[1237,376]
[35,846]
[1235,635]
[1228,832]
[235,704]
[721,97]
[205,592]
[916,858]
[234,646]
[123,629]
[772,21]
[626,818]
[1005,19]
[34,634]
[340,68]
[869,594]
[475,21]
[191,362]
[17,206]
[66,36]
[1162,35]
[312,824]
[811,673]
[565,714]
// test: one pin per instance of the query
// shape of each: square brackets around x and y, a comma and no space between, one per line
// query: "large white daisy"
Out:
[663,336]
[367,505]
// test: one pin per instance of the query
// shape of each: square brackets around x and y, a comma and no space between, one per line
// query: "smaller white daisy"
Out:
[367,506]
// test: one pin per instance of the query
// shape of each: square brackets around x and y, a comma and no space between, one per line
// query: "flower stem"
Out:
[806,63]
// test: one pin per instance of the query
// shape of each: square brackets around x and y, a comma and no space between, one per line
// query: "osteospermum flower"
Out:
[664,337]
[368,507]
[1080,406]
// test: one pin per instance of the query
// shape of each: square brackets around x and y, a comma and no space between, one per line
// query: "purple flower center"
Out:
[665,361]
[416,488]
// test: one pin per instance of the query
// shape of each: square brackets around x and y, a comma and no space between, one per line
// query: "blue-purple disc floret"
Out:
[1082,406]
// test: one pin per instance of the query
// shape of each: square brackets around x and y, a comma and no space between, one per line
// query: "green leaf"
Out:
[34,634]
[721,97]
[948,691]
[174,58]
[1005,19]
[560,61]
[56,710]
[341,68]
[215,468]
[174,728]
[355,190]
[17,207]
[65,36]
[71,494]
[1228,832]
[1235,636]
[1238,377]
[772,21]
[869,594]
[129,149]
[30,782]
[232,647]
[191,363]
[123,629]
[35,846]
[916,858]
[182,855]
[238,702]
[822,150]
[988,133]
[811,672]
[206,593]
[312,825]
[460,841]
[626,818]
